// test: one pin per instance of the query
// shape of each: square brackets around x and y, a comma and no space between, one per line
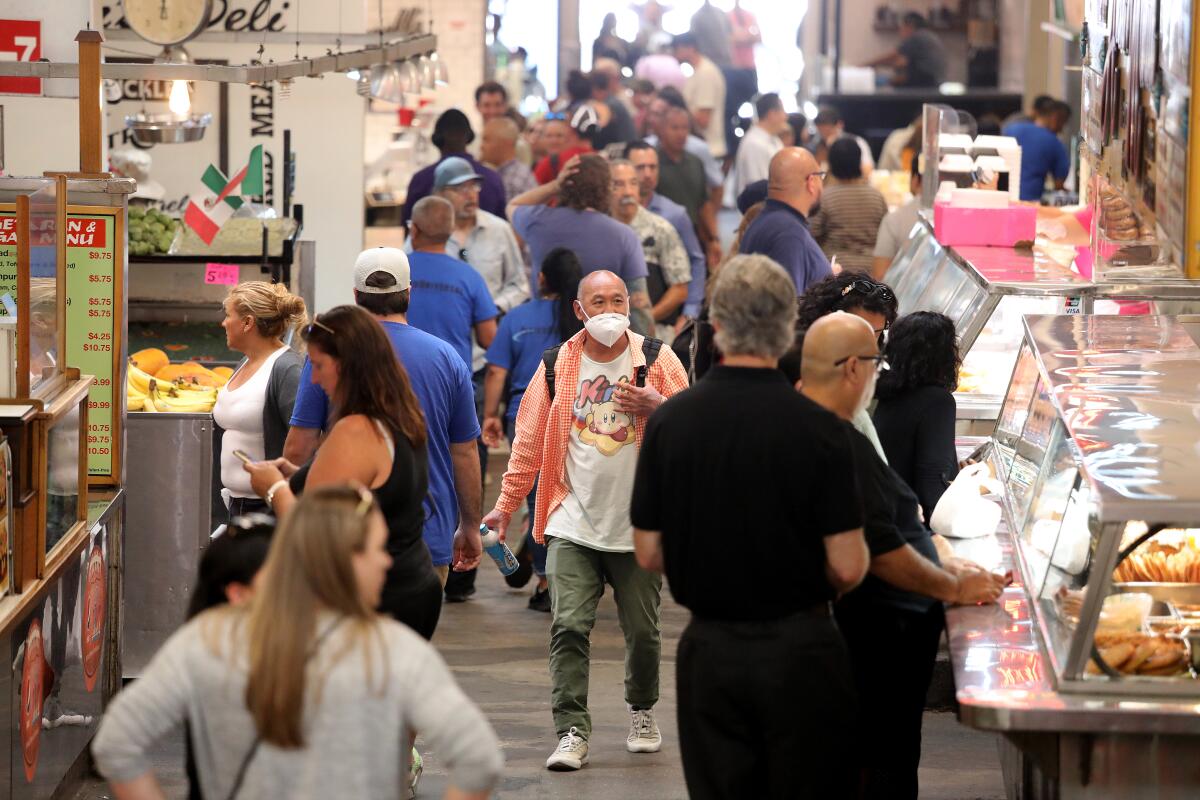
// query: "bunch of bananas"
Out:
[147,393]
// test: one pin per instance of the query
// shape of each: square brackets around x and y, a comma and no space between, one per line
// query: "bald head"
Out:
[432,221]
[789,179]
[601,282]
[830,339]
[502,128]
[499,143]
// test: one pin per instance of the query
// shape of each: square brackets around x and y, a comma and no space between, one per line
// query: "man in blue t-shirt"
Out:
[1042,153]
[442,382]
[450,299]
[781,231]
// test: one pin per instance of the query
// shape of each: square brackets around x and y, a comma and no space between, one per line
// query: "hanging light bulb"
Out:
[180,102]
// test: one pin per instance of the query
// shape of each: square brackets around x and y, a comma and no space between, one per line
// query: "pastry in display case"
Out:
[1100,492]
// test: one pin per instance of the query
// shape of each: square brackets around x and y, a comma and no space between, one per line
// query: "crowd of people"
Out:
[563,290]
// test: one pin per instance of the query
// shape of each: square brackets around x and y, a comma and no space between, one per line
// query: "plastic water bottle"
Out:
[498,550]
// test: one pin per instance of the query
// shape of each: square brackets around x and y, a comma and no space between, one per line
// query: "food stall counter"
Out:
[1089,665]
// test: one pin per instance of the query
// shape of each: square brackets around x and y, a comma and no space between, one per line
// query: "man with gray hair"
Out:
[765,700]
[666,260]
[501,141]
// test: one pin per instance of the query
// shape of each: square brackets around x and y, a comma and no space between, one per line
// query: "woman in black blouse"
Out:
[916,410]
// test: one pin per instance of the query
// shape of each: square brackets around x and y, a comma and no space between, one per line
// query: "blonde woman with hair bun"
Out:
[254,408]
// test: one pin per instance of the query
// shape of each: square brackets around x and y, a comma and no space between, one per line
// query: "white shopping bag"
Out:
[963,512]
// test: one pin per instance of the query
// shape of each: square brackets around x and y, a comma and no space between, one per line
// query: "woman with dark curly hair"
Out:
[853,292]
[916,411]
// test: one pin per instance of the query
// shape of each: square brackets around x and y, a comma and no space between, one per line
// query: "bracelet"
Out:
[270,497]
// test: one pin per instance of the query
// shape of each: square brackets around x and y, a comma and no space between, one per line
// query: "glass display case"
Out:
[1096,446]
[985,291]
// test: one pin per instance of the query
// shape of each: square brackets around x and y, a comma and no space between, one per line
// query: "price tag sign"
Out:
[93,327]
[227,274]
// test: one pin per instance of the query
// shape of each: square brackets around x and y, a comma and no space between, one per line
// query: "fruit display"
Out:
[150,231]
[155,385]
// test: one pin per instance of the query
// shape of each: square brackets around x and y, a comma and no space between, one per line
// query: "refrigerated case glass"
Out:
[985,291]
[1094,445]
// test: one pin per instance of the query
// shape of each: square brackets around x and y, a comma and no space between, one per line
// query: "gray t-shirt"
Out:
[600,241]
[356,727]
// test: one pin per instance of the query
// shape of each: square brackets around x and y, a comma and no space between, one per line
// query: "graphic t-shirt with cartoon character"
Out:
[601,459]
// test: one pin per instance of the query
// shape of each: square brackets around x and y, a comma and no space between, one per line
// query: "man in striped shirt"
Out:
[579,437]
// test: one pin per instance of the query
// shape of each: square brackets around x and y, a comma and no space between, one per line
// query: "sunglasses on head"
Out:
[316,323]
[870,289]
[555,115]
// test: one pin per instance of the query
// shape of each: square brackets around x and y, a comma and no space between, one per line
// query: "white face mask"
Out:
[605,328]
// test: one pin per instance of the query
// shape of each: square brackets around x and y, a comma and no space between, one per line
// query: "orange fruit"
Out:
[150,360]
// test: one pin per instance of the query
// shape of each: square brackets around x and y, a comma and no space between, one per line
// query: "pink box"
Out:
[993,227]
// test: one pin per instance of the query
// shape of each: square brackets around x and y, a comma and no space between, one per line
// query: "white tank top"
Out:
[240,413]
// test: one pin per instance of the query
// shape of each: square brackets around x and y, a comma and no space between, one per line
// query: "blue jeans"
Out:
[537,550]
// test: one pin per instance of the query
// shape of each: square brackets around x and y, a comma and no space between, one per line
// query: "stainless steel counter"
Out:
[1000,681]
[169,523]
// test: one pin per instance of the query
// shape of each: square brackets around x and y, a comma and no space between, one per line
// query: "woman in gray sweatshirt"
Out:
[306,693]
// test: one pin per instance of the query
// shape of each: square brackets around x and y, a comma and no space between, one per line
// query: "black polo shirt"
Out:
[892,521]
[738,472]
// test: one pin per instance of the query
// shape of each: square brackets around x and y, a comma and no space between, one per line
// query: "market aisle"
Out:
[497,649]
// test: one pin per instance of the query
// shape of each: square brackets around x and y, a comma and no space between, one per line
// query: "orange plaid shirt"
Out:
[543,427]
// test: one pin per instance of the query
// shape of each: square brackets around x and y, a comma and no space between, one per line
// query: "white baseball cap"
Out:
[381,259]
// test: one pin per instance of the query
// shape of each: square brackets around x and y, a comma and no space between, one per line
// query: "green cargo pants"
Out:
[577,575]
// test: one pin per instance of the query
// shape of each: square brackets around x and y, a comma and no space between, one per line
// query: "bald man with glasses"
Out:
[895,610]
[781,231]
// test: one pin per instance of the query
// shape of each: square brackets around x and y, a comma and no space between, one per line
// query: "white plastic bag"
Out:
[963,512]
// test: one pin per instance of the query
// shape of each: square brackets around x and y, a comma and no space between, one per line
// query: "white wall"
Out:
[40,134]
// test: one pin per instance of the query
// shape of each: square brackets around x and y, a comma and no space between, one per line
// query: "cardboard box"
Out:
[992,227]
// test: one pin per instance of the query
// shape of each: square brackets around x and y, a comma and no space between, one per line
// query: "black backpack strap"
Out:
[550,358]
[650,348]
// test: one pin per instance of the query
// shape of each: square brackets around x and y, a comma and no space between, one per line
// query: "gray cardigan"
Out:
[282,386]
[356,727]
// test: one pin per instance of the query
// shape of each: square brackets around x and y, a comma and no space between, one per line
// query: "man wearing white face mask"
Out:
[581,423]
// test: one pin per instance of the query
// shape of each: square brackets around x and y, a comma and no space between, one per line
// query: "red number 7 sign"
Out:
[20,40]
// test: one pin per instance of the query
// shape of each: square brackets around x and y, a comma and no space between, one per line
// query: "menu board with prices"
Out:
[95,259]
[95,270]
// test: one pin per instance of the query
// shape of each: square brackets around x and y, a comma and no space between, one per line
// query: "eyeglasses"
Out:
[881,362]
[555,115]
[316,323]
[820,174]
[881,337]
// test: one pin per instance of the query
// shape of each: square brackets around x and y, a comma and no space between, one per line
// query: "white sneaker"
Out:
[643,732]
[572,753]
